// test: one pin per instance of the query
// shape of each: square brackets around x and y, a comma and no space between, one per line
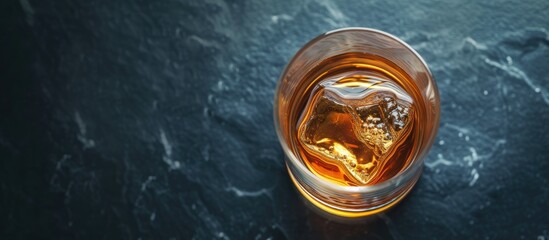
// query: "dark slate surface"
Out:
[153,119]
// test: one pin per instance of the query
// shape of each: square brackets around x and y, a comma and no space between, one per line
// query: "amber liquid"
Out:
[356,122]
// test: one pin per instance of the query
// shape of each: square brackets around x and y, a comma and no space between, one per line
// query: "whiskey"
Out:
[356,111]
[357,119]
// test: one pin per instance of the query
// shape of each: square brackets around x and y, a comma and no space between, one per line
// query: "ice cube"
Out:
[353,121]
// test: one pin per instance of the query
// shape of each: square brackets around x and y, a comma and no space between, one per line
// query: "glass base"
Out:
[348,214]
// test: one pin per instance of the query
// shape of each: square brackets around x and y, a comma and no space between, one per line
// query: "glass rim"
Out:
[411,169]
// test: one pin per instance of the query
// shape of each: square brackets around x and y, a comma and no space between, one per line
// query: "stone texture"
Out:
[153,119]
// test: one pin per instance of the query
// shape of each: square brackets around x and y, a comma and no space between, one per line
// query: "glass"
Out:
[295,83]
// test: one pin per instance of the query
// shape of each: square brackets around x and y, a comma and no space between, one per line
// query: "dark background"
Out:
[153,119]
